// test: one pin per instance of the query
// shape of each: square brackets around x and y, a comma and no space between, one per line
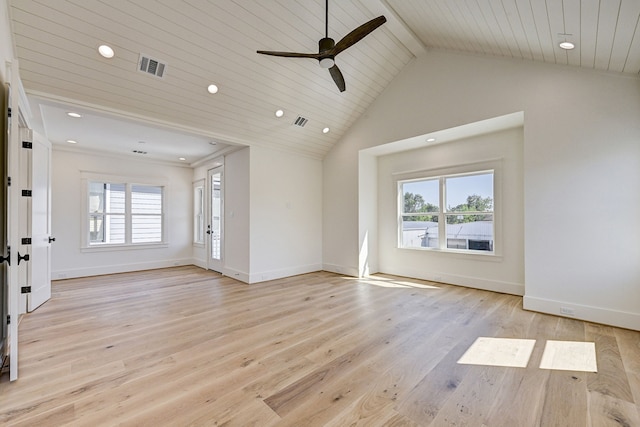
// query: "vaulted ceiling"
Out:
[215,42]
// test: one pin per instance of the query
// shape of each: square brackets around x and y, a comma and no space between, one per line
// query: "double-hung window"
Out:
[123,213]
[453,212]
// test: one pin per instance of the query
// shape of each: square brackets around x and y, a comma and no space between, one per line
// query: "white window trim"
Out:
[460,169]
[129,181]
[199,183]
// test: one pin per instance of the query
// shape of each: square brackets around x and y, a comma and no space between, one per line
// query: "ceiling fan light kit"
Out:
[328,48]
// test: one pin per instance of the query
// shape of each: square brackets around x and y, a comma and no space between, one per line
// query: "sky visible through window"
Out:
[458,188]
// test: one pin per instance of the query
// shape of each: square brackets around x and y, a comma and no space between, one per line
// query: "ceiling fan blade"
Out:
[289,54]
[337,77]
[358,34]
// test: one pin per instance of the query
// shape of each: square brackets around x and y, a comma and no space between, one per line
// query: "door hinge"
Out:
[8,319]
[8,181]
[24,257]
[26,193]
[26,240]
[25,290]
[9,112]
[7,258]
[27,144]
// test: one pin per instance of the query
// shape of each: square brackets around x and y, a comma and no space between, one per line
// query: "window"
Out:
[122,213]
[198,212]
[146,214]
[106,213]
[448,212]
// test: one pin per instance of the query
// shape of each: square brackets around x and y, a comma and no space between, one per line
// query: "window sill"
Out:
[117,248]
[462,254]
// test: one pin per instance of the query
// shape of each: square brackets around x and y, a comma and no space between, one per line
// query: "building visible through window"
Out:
[463,204]
[122,213]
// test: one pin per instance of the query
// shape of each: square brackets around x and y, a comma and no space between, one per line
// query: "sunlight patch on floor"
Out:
[569,356]
[396,284]
[508,352]
[393,283]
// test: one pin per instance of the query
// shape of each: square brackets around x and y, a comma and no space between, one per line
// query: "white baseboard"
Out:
[286,272]
[605,316]
[236,274]
[341,269]
[119,268]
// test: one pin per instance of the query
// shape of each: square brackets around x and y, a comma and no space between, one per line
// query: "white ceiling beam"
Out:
[396,25]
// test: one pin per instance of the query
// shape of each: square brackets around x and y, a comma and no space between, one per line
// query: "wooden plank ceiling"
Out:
[204,42]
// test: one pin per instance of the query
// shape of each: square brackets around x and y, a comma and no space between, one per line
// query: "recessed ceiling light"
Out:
[567,45]
[325,130]
[182,158]
[431,139]
[72,114]
[71,141]
[279,113]
[106,51]
[212,89]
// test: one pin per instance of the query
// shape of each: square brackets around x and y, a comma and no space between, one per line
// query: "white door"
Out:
[4,247]
[41,239]
[215,223]
[13,215]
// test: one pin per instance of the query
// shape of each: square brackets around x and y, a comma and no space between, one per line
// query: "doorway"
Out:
[215,227]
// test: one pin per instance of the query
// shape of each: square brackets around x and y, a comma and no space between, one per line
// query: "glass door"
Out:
[215,226]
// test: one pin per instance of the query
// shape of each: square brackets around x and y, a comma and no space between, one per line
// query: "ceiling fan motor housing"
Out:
[324,45]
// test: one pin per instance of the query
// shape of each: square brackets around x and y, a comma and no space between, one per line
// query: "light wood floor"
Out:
[184,346]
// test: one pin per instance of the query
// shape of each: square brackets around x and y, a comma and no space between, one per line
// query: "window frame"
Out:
[441,174]
[129,182]
[199,186]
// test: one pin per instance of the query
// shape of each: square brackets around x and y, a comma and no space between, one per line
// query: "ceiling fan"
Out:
[328,48]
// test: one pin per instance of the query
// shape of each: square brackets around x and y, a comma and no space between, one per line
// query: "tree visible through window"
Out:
[463,203]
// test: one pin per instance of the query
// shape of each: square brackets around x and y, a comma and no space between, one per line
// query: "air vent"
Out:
[151,66]
[139,152]
[300,121]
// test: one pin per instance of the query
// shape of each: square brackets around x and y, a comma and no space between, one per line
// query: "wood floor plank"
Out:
[629,346]
[186,346]
[522,390]
[566,395]
[607,411]
[611,379]
[428,397]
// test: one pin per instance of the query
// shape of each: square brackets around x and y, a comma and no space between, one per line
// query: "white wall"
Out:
[273,214]
[68,260]
[6,43]
[237,214]
[502,272]
[235,254]
[581,171]
[286,214]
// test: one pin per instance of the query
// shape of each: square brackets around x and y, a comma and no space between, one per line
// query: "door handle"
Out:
[52,239]
[20,258]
